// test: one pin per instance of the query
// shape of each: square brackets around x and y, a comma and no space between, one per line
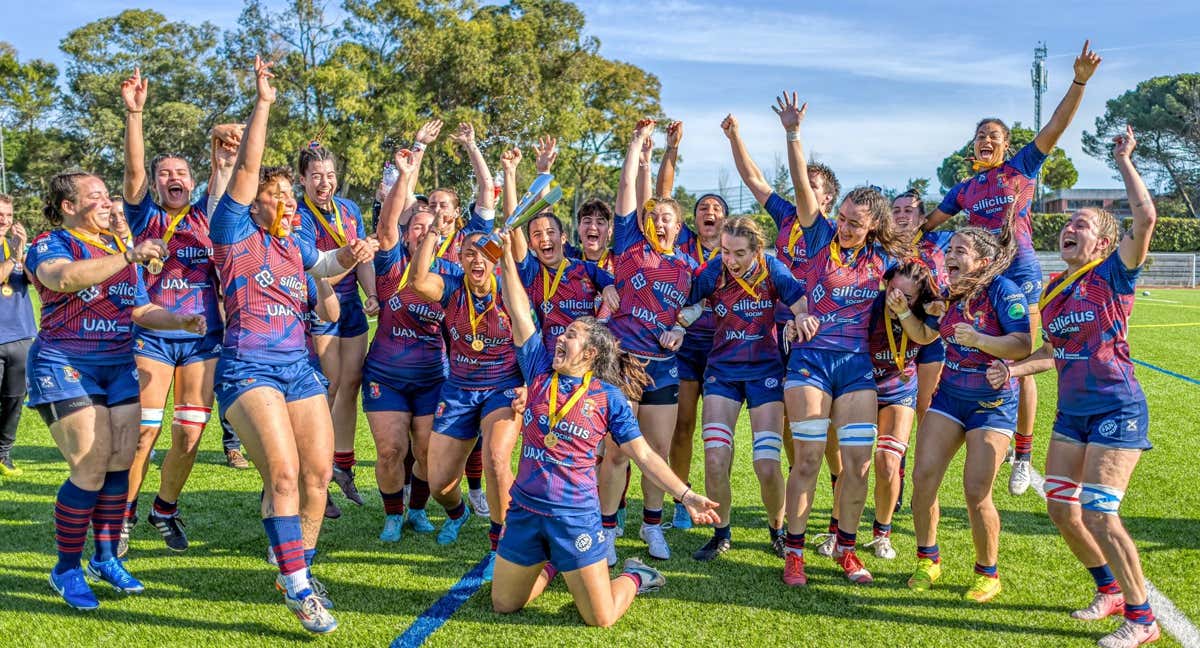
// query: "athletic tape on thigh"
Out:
[857,434]
[891,445]
[1063,490]
[767,445]
[1101,498]
[192,415]
[151,417]
[716,435]
[814,430]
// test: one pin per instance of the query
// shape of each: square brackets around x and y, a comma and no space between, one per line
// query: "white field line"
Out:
[1174,621]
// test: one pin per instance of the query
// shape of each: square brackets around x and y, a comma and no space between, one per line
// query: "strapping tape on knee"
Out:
[152,417]
[814,430]
[1101,498]
[857,434]
[192,415]
[716,435]
[767,446]
[891,445]
[1062,490]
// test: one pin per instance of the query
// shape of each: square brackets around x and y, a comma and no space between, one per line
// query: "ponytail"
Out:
[881,210]
[1000,249]
[612,364]
[64,186]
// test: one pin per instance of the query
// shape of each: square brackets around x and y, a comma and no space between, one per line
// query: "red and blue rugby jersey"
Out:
[789,244]
[560,477]
[408,344]
[998,311]
[883,362]
[931,250]
[1087,324]
[188,282]
[988,195]
[262,280]
[745,346]
[93,325]
[653,287]
[475,224]
[841,294]
[495,366]
[316,234]
[577,294]
[700,334]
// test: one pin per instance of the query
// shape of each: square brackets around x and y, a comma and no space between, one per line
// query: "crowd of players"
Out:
[863,319]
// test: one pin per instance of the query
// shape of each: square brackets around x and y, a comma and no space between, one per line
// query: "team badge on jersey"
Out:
[441,409]
[141,344]
[589,405]
[374,387]
[47,382]
[583,542]
[771,383]
[547,307]
[71,374]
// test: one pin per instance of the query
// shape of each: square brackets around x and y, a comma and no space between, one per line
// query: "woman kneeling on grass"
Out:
[1100,429]
[553,521]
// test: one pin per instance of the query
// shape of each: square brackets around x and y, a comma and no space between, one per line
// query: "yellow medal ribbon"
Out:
[7,251]
[91,240]
[441,253]
[556,414]
[476,343]
[156,265]
[897,357]
[338,236]
[835,253]
[4,287]
[549,289]
[1049,294]
[700,257]
[752,288]
[404,277]
[979,165]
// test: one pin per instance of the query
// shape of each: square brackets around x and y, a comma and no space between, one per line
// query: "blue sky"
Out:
[892,87]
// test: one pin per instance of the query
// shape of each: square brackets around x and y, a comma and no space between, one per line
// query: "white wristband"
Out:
[418,146]
[793,136]
[905,315]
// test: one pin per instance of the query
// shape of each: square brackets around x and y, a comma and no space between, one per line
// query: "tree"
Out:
[1058,172]
[1165,114]
[191,87]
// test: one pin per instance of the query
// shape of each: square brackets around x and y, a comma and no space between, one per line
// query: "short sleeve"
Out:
[1028,161]
[790,291]
[450,284]
[1123,280]
[387,259]
[230,222]
[49,248]
[779,208]
[622,424]
[359,228]
[626,232]
[1009,303]
[949,204]
[527,269]
[705,280]
[201,204]
[687,236]
[533,359]
[818,235]
[309,254]
[480,220]
[139,215]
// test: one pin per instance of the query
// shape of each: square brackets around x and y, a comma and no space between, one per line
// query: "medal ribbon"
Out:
[89,239]
[556,414]
[174,224]
[446,244]
[404,277]
[1049,294]
[549,289]
[700,257]
[979,165]
[752,287]
[6,257]
[338,236]
[476,319]
[898,358]
[835,253]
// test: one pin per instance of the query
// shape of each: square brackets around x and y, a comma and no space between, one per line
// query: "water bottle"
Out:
[390,175]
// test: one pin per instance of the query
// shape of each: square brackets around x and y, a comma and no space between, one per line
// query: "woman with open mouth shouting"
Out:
[1101,428]
[160,207]
[653,278]
[1001,183]
[986,319]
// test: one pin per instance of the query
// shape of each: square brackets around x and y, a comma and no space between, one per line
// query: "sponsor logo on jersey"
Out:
[89,293]
[264,278]
[47,382]
[638,281]
[1016,310]
[70,374]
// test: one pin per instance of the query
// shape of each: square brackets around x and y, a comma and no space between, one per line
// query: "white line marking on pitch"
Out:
[1171,618]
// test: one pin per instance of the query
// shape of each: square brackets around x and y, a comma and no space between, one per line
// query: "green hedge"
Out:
[1170,234]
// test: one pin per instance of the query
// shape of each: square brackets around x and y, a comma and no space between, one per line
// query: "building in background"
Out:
[1068,200]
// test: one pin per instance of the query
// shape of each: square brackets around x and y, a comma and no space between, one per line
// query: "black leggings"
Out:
[12,390]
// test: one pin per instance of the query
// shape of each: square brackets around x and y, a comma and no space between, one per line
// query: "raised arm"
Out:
[645,180]
[665,183]
[751,175]
[388,228]
[485,198]
[226,139]
[1136,242]
[428,284]
[133,93]
[791,115]
[517,302]
[244,184]
[427,134]
[1085,66]
[627,187]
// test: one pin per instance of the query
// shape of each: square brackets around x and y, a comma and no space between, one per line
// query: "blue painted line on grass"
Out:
[442,609]
[1167,371]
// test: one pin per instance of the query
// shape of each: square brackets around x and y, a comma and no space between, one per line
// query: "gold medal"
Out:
[6,290]
[905,378]
[154,266]
[477,344]
[550,440]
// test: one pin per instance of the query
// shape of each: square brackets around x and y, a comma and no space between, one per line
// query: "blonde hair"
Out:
[747,228]
[1106,226]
